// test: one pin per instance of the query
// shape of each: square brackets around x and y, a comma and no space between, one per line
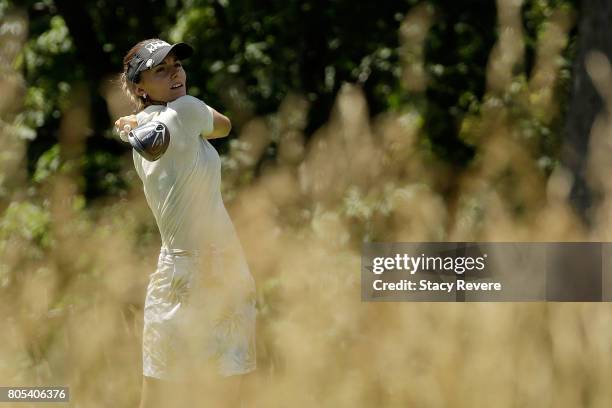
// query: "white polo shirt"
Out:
[182,188]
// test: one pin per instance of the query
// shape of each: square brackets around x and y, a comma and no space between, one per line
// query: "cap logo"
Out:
[155,45]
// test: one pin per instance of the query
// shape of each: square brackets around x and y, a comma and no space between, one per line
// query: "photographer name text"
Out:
[432,286]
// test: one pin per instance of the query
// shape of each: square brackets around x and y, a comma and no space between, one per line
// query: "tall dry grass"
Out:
[71,296]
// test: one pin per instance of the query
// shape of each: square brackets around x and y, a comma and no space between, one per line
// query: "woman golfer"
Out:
[199,312]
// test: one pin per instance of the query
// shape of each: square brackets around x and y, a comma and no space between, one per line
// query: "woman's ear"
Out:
[140,91]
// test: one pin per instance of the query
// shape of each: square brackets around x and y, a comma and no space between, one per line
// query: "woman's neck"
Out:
[152,102]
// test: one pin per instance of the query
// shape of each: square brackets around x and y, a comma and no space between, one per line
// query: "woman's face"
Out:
[164,82]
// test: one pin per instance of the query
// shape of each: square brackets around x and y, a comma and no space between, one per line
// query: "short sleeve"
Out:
[193,114]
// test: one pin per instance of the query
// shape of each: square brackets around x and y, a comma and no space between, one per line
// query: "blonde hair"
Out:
[128,87]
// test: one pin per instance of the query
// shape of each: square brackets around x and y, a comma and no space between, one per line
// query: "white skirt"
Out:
[199,313]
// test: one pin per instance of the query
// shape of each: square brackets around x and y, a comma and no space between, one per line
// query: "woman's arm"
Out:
[221,125]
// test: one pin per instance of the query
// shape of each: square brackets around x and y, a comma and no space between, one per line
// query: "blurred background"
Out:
[413,120]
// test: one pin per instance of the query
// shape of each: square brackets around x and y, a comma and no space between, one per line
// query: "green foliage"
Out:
[249,57]
[45,57]
[25,221]
[47,164]
[102,168]
[457,52]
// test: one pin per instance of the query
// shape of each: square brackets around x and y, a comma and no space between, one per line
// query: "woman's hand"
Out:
[124,125]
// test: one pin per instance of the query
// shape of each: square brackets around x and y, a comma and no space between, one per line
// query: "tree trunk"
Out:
[594,33]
